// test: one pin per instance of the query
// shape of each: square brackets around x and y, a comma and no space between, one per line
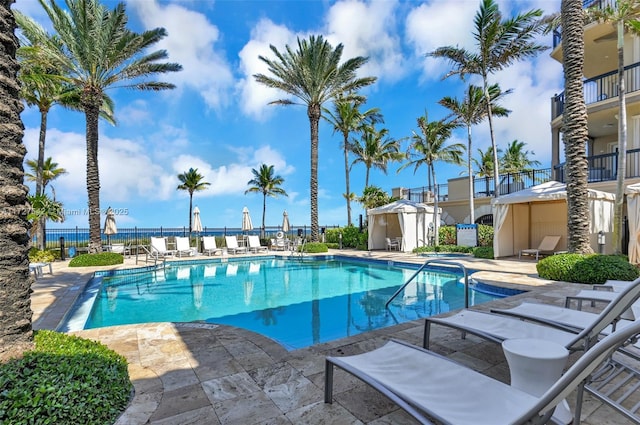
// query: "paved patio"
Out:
[197,373]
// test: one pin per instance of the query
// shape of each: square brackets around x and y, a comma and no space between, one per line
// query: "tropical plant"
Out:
[346,118]
[100,53]
[16,332]
[191,181]
[575,127]
[472,110]
[428,147]
[264,181]
[43,173]
[516,159]
[314,74]
[624,16]
[499,43]
[373,197]
[44,208]
[376,150]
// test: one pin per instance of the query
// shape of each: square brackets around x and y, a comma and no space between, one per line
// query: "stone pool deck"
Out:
[196,373]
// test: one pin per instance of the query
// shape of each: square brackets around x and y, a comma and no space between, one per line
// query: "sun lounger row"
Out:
[429,386]
[183,248]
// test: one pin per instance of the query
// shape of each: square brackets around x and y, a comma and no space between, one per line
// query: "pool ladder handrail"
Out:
[441,262]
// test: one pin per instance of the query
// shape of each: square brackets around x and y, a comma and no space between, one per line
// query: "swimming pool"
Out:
[297,302]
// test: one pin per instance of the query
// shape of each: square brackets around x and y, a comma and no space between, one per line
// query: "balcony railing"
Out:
[600,4]
[484,186]
[605,167]
[602,87]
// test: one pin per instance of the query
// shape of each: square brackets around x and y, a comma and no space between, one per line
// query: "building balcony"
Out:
[601,88]
[586,4]
[604,167]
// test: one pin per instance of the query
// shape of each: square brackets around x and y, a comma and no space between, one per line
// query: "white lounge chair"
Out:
[38,269]
[392,244]
[232,245]
[254,244]
[429,386]
[183,247]
[209,245]
[497,328]
[121,248]
[159,248]
[547,246]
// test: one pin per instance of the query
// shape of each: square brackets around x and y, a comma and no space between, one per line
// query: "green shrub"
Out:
[483,252]
[447,235]
[332,245]
[590,269]
[99,259]
[38,256]
[65,380]
[485,235]
[315,247]
[443,248]
[351,237]
[333,235]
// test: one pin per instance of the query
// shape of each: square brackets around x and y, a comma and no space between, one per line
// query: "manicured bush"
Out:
[99,259]
[38,256]
[332,245]
[590,269]
[315,247]
[351,237]
[485,235]
[447,235]
[65,380]
[483,252]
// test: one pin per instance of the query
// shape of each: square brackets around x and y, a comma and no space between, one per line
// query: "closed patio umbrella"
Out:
[246,220]
[197,226]
[110,225]
[285,222]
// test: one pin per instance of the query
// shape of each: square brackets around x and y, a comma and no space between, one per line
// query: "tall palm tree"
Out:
[100,53]
[516,158]
[16,334]
[575,126]
[429,147]
[264,181]
[499,43]
[191,181]
[314,74]
[44,173]
[346,118]
[470,111]
[376,150]
[484,166]
[624,16]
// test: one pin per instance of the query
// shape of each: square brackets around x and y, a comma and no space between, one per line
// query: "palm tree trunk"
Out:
[436,216]
[471,185]
[366,178]
[496,172]
[264,213]
[622,146]
[40,232]
[190,213]
[16,334]
[93,175]
[346,177]
[313,111]
[574,127]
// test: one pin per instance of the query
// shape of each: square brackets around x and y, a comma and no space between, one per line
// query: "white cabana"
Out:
[400,219]
[633,215]
[522,219]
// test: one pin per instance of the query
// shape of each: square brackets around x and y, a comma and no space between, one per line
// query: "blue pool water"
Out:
[295,302]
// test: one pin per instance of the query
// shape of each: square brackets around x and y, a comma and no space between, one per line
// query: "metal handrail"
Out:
[442,262]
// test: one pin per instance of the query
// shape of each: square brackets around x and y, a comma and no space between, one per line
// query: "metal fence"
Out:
[79,237]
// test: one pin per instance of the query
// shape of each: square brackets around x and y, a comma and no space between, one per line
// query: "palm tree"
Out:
[484,166]
[314,74]
[429,147]
[346,118]
[46,173]
[43,209]
[376,150]
[623,14]
[472,110]
[374,196]
[191,181]
[100,53]
[575,126]
[516,159]
[499,43]
[16,332]
[265,182]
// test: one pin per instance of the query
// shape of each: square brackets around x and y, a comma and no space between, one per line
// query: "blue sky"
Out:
[218,118]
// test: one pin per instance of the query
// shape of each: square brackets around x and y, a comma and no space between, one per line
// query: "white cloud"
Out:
[377,41]
[254,96]
[191,42]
